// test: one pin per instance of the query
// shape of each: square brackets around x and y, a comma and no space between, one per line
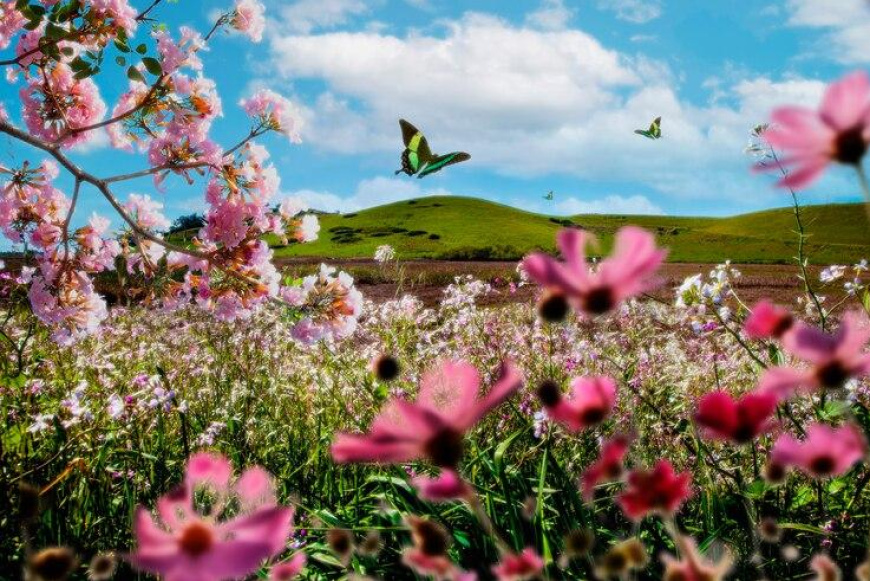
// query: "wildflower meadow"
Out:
[217,416]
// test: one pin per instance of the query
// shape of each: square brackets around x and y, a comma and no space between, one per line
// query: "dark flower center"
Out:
[615,562]
[775,472]
[593,415]
[832,375]
[431,539]
[445,448]
[553,308]
[599,301]
[743,434]
[196,539]
[53,564]
[339,541]
[822,465]
[781,326]
[578,542]
[386,368]
[549,393]
[850,146]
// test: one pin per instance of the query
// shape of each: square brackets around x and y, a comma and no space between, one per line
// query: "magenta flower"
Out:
[660,490]
[833,358]
[740,420]
[433,427]
[627,272]
[447,486]
[838,132]
[519,566]
[288,569]
[591,402]
[826,451]
[768,321]
[608,467]
[186,545]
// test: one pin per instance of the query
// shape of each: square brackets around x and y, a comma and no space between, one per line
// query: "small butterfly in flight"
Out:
[549,196]
[418,159]
[654,131]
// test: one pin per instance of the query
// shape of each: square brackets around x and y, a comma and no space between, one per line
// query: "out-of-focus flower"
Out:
[627,272]
[592,400]
[691,566]
[608,467]
[248,18]
[288,569]
[825,452]
[838,132]
[825,569]
[384,253]
[188,546]
[660,490]
[519,566]
[832,273]
[621,558]
[740,420]
[275,112]
[768,321]
[428,555]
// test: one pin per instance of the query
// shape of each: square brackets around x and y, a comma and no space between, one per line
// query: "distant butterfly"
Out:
[418,159]
[654,131]
[549,196]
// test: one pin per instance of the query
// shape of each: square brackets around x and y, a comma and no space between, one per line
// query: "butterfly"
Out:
[418,159]
[549,196]
[654,131]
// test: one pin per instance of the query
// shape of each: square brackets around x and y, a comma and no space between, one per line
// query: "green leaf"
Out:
[134,75]
[78,64]
[142,49]
[121,61]
[121,45]
[152,65]
[54,32]
[68,51]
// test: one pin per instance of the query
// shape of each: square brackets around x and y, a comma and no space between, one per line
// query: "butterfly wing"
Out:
[656,128]
[644,133]
[408,132]
[442,161]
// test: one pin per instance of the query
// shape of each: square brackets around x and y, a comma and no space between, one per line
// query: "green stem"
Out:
[865,186]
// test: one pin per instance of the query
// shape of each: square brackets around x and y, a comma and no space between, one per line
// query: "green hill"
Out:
[447,227]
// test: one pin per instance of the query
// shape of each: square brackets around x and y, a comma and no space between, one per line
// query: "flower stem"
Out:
[865,186]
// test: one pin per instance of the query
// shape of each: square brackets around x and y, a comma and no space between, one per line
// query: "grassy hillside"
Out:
[467,228]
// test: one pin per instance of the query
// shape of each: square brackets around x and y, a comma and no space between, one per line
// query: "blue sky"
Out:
[543,94]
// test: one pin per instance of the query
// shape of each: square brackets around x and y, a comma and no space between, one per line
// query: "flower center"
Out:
[850,146]
[599,301]
[430,539]
[832,374]
[549,393]
[445,448]
[553,308]
[822,465]
[781,326]
[593,415]
[196,539]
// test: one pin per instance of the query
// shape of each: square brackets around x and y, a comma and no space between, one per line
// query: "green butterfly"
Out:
[549,196]
[654,131]
[418,159]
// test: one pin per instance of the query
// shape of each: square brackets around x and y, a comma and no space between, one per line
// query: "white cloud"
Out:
[635,11]
[609,205]
[306,15]
[369,192]
[847,23]
[97,141]
[552,15]
[548,101]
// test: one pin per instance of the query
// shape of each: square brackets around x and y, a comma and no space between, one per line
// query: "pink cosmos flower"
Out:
[608,467]
[826,451]
[591,402]
[825,568]
[692,566]
[660,490]
[519,566]
[833,358]
[428,556]
[739,421]
[289,569]
[248,18]
[838,132]
[185,545]
[447,486]
[627,272]
[768,321]
[432,427]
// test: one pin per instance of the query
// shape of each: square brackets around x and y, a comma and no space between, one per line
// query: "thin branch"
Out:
[144,14]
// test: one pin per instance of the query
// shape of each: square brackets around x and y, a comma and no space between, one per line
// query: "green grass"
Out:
[447,227]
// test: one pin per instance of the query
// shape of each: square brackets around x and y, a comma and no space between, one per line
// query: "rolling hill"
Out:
[447,227]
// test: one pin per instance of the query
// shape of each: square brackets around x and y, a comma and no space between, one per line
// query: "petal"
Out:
[805,174]
[509,381]
[783,382]
[548,272]
[255,488]
[211,469]
[572,243]
[845,102]
[449,385]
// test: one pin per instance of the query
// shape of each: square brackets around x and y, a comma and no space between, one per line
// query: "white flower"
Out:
[292,206]
[832,273]
[309,226]
[384,253]
[116,406]
[40,422]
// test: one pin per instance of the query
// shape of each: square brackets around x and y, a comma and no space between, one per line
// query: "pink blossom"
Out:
[275,112]
[660,490]
[248,18]
[119,12]
[67,303]
[692,566]
[58,103]
[741,420]
[308,228]
[181,54]
[826,451]
[428,556]
[519,566]
[627,272]
[433,427]
[833,358]
[447,486]
[768,321]
[185,545]
[592,400]
[288,569]
[608,467]
[838,132]
[146,212]
[226,223]
[11,21]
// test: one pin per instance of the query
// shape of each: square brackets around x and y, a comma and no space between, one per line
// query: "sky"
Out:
[544,95]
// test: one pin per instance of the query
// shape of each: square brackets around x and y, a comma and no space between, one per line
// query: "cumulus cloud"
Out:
[303,16]
[847,23]
[634,11]
[368,193]
[609,205]
[547,102]
[551,15]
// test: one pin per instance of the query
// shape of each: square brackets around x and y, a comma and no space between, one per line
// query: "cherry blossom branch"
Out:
[144,14]
[69,215]
[73,35]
